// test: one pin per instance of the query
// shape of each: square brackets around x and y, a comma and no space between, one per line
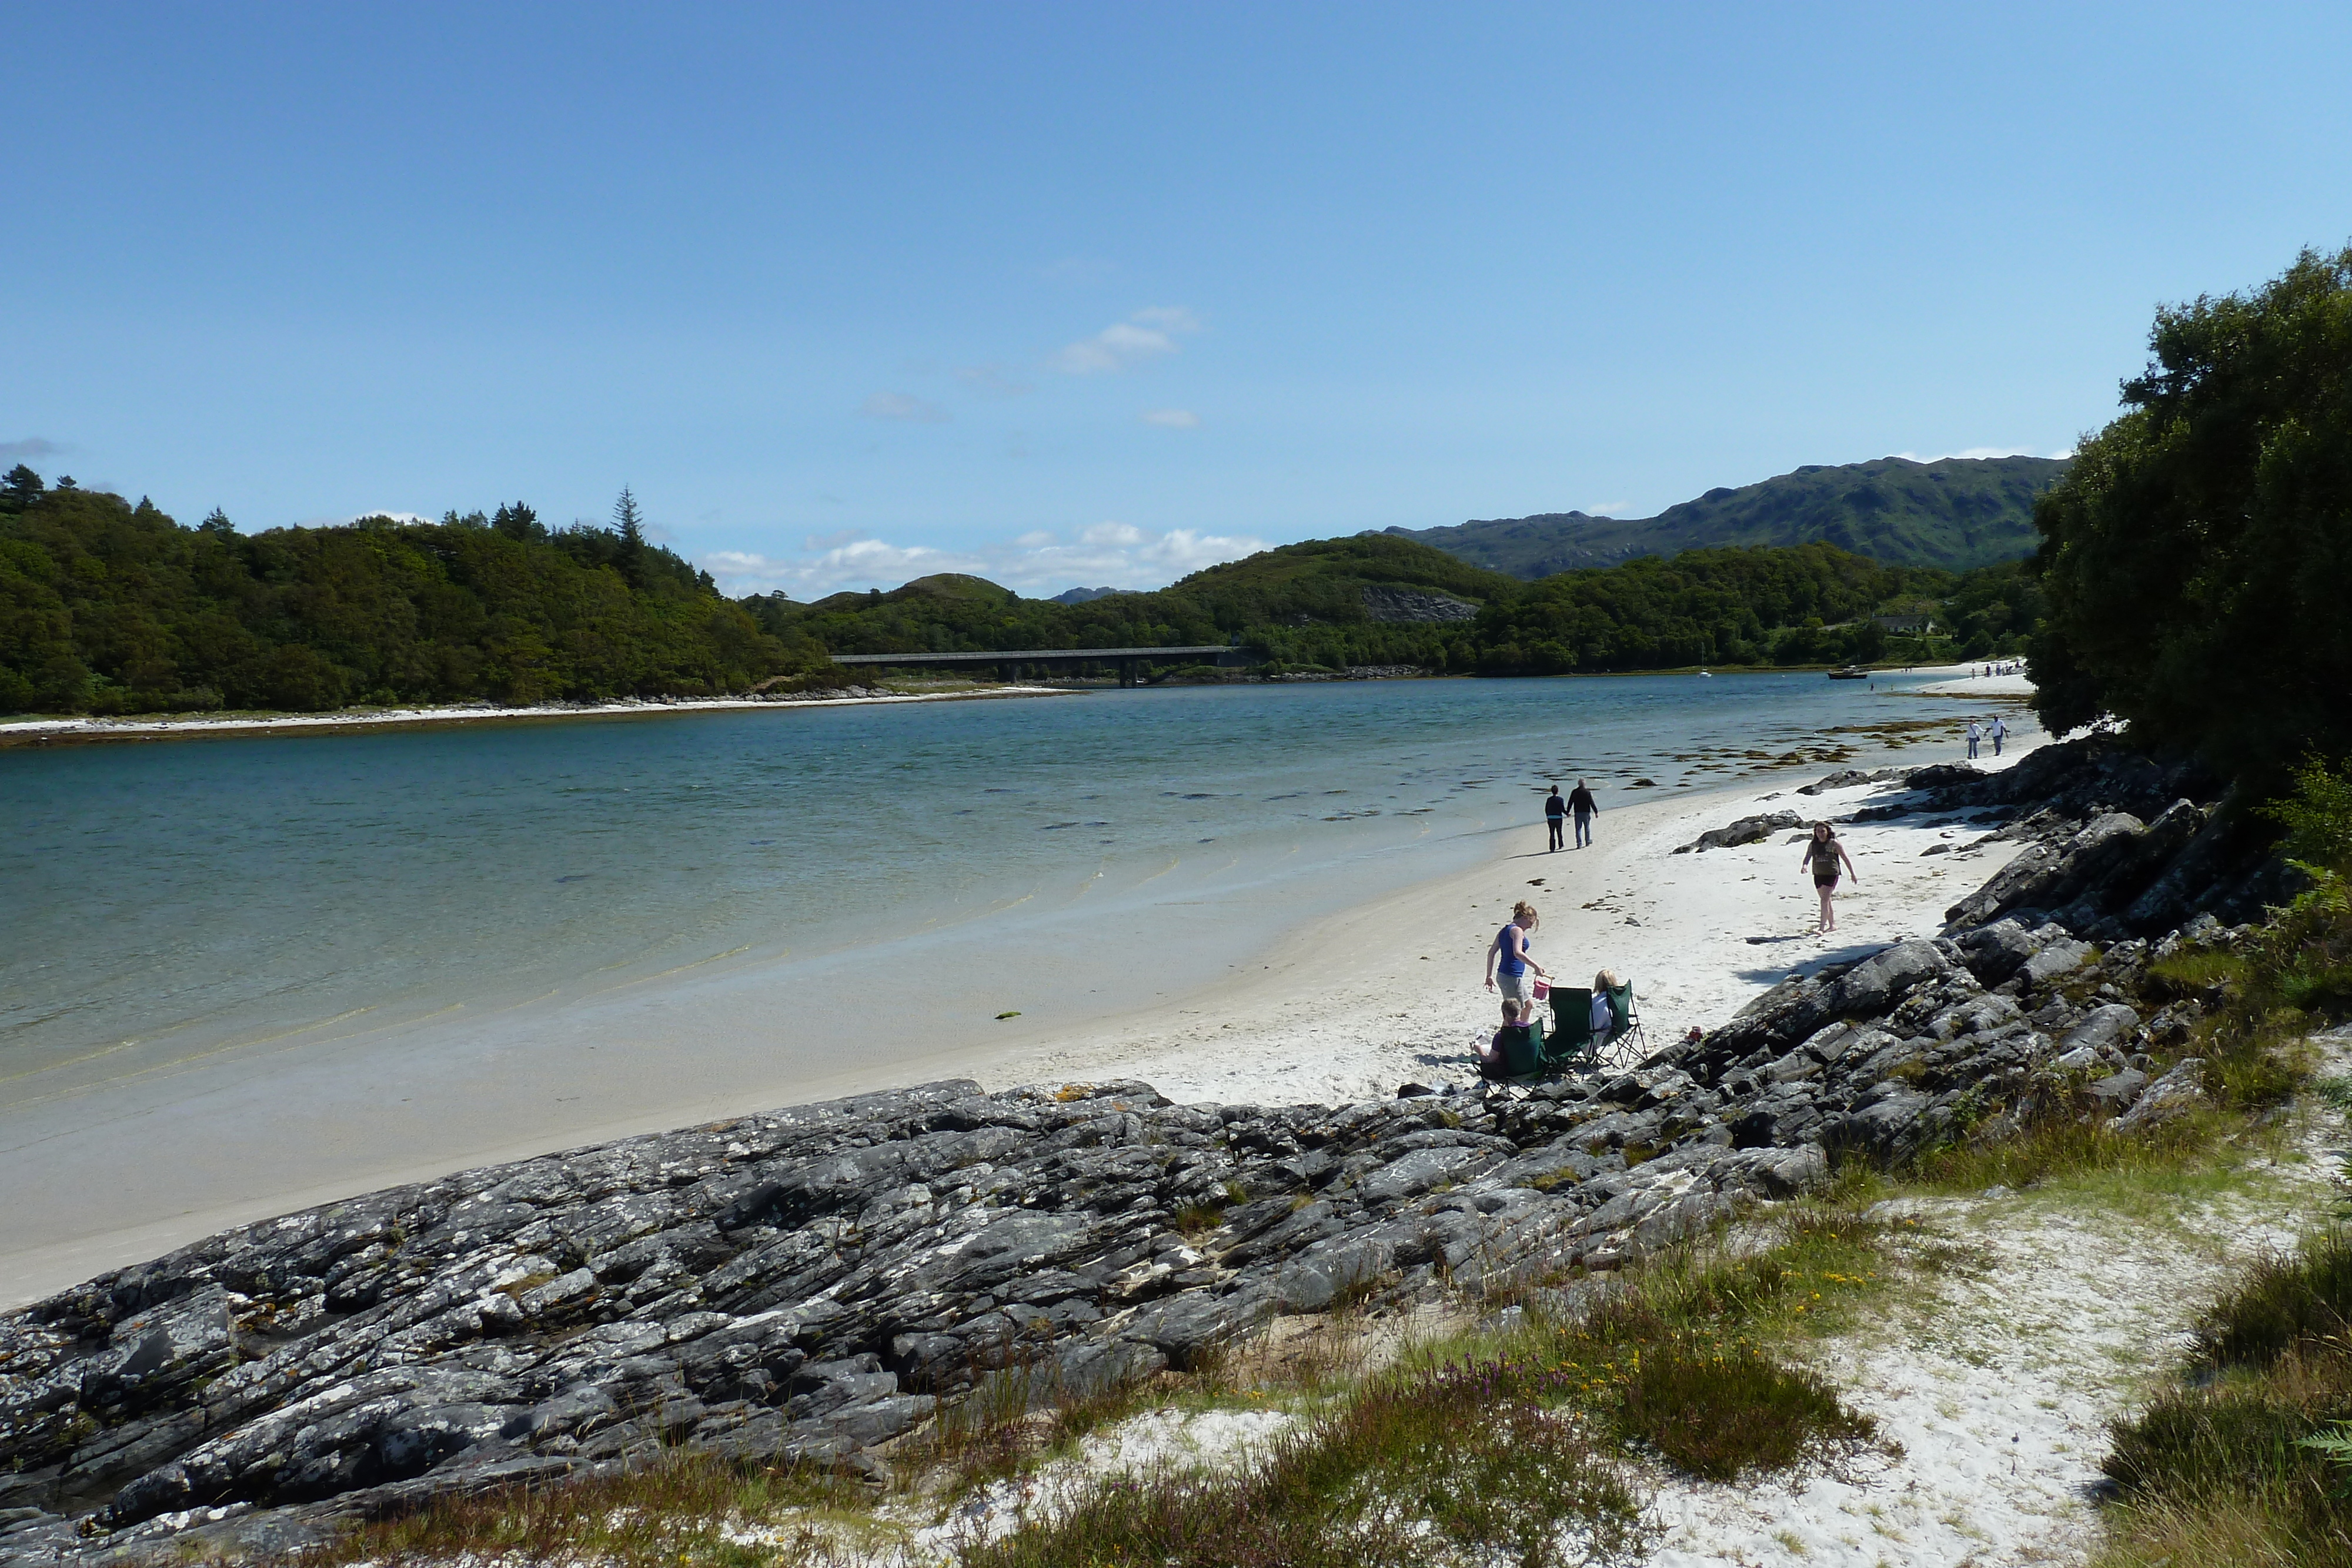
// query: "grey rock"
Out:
[2176,1094]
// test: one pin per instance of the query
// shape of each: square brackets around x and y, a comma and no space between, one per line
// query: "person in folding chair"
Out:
[1615,1021]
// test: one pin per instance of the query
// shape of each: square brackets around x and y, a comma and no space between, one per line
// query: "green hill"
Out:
[1956,513]
[110,608]
[1368,600]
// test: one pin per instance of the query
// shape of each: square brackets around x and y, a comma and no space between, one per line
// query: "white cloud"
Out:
[899,405]
[1173,418]
[1038,563]
[1144,336]
[1983,452]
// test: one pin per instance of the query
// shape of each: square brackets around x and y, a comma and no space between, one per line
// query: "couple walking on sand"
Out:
[1976,734]
[1584,807]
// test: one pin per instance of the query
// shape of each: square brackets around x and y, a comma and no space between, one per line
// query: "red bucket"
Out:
[1543,989]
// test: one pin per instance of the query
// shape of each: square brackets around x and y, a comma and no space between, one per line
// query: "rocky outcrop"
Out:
[802,1284]
[1746,830]
[1385,602]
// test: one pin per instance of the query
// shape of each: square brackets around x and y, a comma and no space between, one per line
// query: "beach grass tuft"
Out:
[2250,1459]
[690,1509]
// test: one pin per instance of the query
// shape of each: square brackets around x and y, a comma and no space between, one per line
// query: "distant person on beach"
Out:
[1555,815]
[1581,802]
[1508,961]
[1823,853]
[1975,734]
[2000,733]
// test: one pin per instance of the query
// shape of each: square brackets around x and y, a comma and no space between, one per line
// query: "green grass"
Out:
[2058,1146]
[2239,1464]
[690,1511]
[1415,1471]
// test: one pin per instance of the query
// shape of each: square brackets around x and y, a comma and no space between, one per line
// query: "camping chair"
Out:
[1628,1043]
[1523,1052]
[1571,1048]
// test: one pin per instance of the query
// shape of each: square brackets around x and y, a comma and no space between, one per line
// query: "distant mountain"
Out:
[1085,595]
[1957,513]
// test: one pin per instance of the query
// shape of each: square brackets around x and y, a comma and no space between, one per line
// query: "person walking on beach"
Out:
[1975,734]
[1508,961]
[2000,733]
[1823,853]
[1555,813]
[1581,802]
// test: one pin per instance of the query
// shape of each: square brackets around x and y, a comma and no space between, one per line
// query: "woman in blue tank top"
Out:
[1508,961]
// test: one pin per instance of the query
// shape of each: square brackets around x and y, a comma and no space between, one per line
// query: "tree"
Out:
[19,489]
[2194,557]
[518,521]
[217,522]
[628,522]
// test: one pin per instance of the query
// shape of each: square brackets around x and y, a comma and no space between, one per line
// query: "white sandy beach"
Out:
[1387,992]
[1393,993]
[190,726]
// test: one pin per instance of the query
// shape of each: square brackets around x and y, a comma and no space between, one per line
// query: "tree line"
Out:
[108,607]
[111,608]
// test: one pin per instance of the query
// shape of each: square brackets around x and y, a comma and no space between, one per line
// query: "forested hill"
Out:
[110,608]
[1957,513]
[1378,600]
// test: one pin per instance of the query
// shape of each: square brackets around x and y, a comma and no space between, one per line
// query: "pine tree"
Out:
[630,522]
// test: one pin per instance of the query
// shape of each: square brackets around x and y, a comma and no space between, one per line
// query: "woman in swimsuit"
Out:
[1823,854]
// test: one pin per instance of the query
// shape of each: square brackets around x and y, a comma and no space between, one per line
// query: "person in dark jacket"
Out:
[1585,808]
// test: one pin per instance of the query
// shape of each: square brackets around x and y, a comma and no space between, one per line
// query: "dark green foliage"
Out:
[1993,611]
[2280,1303]
[2253,1442]
[108,608]
[1959,513]
[1707,606]
[2195,555]
[1719,1409]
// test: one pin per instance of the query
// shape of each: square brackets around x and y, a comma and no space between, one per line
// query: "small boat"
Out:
[1706,674]
[1850,673]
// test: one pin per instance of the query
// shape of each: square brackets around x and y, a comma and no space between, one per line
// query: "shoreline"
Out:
[1350,1006]
[55,730]
[169,726]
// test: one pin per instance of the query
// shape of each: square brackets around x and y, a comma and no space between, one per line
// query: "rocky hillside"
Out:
[811,1282]
[1957,513]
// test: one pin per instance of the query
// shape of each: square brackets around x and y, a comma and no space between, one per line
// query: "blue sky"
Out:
[1099,294]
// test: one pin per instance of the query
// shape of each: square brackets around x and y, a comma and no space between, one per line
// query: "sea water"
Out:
[169,903]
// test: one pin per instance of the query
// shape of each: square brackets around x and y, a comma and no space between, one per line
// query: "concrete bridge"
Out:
[1010,661]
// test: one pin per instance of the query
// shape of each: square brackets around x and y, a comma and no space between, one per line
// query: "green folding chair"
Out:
[1571,1048]
[1628,1044]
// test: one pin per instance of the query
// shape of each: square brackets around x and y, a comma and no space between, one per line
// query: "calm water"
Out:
[163,901]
